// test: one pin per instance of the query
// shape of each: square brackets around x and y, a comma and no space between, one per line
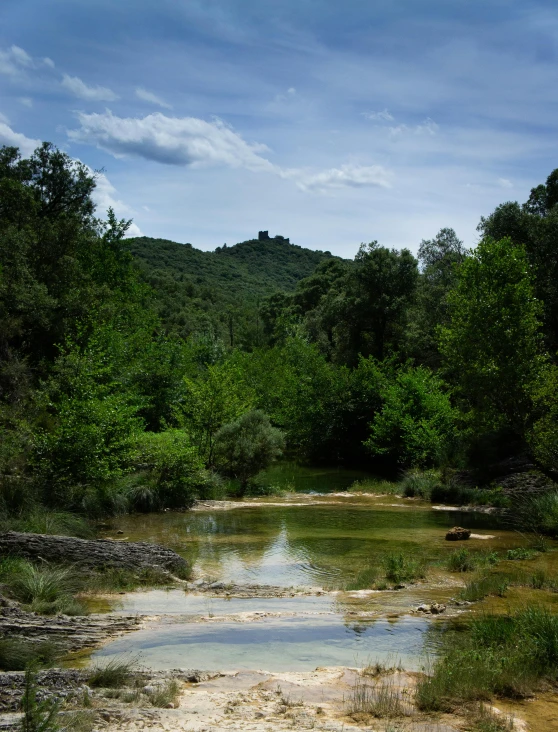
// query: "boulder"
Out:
[93,554]
[458,534]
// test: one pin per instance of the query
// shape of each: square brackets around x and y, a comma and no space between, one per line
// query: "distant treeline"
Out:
[135,373]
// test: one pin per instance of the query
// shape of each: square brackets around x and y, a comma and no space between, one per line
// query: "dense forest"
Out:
[139,374]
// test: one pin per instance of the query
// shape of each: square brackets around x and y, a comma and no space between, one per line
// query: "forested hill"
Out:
[199,291]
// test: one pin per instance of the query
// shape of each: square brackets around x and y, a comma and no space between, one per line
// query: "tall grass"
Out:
[505,655]
[419,483]
[44,521]
[43,589]
[461,560]
[381,699]
[401,568]
[16,654]
[484,585]
[113,674]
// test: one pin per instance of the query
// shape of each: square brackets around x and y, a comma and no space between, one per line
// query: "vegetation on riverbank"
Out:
[508,655]
[439,366]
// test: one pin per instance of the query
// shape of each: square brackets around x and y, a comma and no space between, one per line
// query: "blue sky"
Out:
[332,123]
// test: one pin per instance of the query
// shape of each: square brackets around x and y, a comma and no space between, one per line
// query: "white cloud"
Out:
[4,119]
[347,176]
[26,101]
[16,139]
[105,196]
[13,60]
[48,62]
[505,183]
[186,141]
[148,96]
[291,90]
[383,116]
[20,56]
[92,93]
[428,127]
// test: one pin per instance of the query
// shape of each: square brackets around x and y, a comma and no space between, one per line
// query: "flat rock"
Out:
[88,553]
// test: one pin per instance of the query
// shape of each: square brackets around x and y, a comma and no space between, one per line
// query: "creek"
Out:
[326,539]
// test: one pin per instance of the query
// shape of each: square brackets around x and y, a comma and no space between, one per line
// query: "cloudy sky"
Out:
[332,123]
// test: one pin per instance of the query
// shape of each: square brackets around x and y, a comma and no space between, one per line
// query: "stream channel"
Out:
[320,546]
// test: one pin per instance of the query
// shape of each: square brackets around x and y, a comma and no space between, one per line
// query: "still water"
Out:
[322,538]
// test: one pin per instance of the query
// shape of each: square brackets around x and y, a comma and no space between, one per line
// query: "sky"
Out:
[330,123]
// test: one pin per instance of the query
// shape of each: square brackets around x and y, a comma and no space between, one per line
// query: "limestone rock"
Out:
[458,534]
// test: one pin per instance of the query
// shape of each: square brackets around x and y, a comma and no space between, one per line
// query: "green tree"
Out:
[247,446]
[218,395]
[534,225]
[492,344]
[416,424]
[439,259]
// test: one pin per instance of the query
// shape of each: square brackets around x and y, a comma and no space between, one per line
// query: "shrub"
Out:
[540,514]
[171,474]
[46,590]
[247,446]
[519,553]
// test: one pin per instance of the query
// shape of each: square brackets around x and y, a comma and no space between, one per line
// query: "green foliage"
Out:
[38,716]
[112,674]
[17,654]
[220,292]
[543,435]
[419,483]
[485,585]
[247,446]
[492,345]
[507,655]
[539,514]
[219,395]
[401,568]
[416,423]
[460,560]
[454,493]
[171,473]
[44,589]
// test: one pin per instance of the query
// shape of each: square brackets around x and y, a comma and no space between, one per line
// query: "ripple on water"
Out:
[285,644]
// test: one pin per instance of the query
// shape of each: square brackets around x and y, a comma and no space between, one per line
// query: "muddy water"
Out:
[328,540]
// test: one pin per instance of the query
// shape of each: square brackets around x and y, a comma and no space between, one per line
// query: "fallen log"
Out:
[91,553]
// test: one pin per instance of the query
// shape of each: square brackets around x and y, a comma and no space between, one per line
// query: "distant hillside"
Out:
[219,292]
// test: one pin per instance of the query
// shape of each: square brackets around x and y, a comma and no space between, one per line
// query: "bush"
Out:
[540,514]
[416,424]
[170,473]
[47,590]
[247,446]
[458,495]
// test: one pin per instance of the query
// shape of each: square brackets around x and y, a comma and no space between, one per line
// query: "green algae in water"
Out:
[327,545]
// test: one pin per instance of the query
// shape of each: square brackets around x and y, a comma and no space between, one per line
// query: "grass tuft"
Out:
[165,694]
[112,674]
[485,585]
[461,560]
[401,568]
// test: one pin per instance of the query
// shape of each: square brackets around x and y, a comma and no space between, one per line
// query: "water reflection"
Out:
[325,545]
